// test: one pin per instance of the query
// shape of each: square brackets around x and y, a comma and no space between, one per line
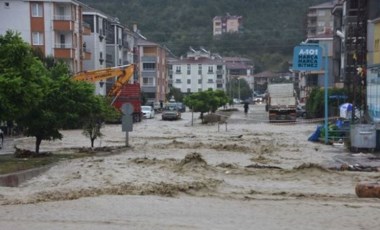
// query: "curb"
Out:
[15,179]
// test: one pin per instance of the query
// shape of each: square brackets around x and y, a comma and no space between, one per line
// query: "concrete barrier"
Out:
[14,179]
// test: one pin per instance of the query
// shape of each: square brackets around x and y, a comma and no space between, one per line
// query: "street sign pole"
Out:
[308,57]
[326,83]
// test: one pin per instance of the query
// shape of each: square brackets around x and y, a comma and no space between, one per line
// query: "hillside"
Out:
[271,28]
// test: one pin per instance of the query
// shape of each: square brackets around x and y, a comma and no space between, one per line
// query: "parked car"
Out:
[181,107]
[171,112]
[301,111]
[148,111]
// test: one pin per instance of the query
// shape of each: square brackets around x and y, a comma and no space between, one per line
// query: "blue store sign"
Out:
[307,58]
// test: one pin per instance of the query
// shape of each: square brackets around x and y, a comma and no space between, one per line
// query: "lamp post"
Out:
[239,88]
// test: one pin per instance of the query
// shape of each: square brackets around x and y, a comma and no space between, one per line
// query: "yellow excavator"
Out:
[121,91]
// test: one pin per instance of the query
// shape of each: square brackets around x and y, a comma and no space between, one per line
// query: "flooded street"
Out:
[248,174]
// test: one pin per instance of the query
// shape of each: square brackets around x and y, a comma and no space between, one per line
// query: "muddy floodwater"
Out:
[248,174]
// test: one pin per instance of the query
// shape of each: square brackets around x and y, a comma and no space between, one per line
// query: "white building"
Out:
[53,26]
[199,71]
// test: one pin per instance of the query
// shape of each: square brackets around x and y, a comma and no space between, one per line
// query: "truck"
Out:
[281,103]
[122,91]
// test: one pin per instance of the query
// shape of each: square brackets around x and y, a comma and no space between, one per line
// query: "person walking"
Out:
[2,138]
[246,107]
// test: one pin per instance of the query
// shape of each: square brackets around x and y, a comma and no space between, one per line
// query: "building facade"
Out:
[151,61]
[198,71]
[320,32]
[320,20]
[373,63]
[239,68]
[54,27]
[227,24]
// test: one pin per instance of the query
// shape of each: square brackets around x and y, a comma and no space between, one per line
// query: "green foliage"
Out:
[100,112]
[176,93]
[316,102]
[270,27]
[22,77]
[39,95]
[239,86]
[206,101]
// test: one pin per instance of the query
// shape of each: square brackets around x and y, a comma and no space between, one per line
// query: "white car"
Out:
[148,111]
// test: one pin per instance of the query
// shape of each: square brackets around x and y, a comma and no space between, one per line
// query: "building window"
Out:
[188,69]
[219,86]
[6,5]
[149,66]
[178,69]
[37,38]
[101,59]
[148,81]
[199,81]
[37,10]
[199,69]
[188,90]
[199,90]
[210,81]
[188,81]
[178,81]
[210,69]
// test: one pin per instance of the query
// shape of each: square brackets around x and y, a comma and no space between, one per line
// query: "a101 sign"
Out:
[307,58]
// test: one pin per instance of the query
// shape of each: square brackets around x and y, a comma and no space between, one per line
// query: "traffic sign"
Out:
[307,58]
[127,108]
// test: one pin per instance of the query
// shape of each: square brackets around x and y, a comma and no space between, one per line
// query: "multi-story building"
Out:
[239,68]
[198,71]
[95,43]
[151,61]
[227,24]
[373,63]
[338,39]
[114,42]
[320,30]
[55,27]
[320,20]
[105,42]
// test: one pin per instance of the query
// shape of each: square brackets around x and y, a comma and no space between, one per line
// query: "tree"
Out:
[39,96]
[100,112]
[176,93]
[23,78]
[66,103]
[206,101]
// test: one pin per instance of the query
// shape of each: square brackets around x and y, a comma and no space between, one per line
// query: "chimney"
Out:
[135,27]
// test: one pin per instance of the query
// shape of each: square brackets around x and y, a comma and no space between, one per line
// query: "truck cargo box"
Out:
[130,93]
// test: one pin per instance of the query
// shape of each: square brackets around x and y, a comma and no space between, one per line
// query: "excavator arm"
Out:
[123,74]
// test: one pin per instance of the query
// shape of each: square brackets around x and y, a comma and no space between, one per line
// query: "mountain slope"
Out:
[274,26]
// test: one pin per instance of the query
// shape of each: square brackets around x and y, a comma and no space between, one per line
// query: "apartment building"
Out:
[151,61]
[320,31]
[320,20]
[95,43]
[54,27]
[227,24]
[198,71]
[240,68]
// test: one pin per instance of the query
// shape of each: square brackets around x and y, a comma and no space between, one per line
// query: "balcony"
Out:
[151,59]
[149,73]
[63,50]
[148,88]
[63,23]
[86,30]
[86,55]
[219,71]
